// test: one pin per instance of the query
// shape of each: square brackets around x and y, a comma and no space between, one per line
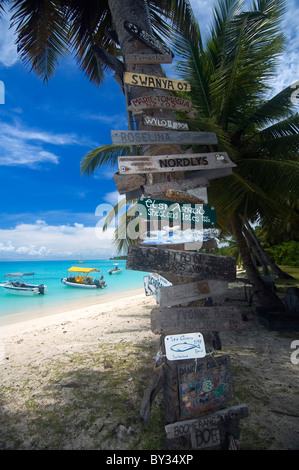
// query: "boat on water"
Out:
[115,270]
[20,287]
[81,278]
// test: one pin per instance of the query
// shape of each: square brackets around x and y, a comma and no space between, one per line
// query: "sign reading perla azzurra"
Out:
[179,212]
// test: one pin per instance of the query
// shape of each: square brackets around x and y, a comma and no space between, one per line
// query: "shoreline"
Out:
[70,306]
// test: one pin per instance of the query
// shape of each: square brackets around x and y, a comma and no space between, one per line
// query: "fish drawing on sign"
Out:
[182,347]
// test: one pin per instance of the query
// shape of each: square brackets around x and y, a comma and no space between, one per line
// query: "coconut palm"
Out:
[230,87]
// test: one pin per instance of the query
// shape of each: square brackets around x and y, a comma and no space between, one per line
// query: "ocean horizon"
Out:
[58,295]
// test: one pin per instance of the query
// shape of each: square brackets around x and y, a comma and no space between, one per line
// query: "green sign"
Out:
[178,212]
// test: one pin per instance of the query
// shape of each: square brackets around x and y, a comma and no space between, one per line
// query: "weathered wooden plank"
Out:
[211,174]
[167,123]
[175,320]
[162,137]
[204,385]
[109,60]
[174,103]
[126,183]
[176,185]
[153,282]
[209,421]
[199,265]
[197,214]
[199,196]
[170,163]
[148,58]
[147,38]
[182,293]
[151,81]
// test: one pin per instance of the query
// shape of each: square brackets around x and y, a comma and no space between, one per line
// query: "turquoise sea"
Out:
[58,295]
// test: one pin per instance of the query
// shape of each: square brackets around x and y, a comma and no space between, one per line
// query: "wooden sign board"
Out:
[174,103]
[148,58]
[126,183]
[194,264]
[151,81]
[175,236]
[183,293]
[147,38]
[162,137]
[211,174]
[205,385]
[170,163]
[167,123]
[184,346]
[179,185]
[153,282]
[170,321]
[195,214]
[209,421]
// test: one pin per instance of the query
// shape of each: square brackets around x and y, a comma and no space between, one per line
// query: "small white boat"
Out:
[19,287]
[116,270]
[82,278]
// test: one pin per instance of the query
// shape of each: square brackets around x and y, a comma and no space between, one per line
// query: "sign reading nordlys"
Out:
[179,212]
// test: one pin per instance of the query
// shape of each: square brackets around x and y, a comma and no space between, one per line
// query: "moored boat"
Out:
[116,270]
[83,279]
[19,287]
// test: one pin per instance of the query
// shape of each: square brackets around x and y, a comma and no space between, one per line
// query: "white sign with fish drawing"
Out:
[184,346]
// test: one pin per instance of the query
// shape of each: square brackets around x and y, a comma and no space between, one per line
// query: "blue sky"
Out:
[47,208]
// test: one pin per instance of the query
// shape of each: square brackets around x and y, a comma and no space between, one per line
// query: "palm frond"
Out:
[107,154]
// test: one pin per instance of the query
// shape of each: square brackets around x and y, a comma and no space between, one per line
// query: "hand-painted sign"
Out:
[180,185]
[167,123]
[174,103]
[151,81]
[174,236]
[205,385]
[147,38]
[183,428]
[197,214]
[153,282]
[181,293]
[148,58]
[184,346]
[194,264]
[161,137]
[169,321]
[170,163]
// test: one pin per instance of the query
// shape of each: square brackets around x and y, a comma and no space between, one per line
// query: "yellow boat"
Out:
[81,278]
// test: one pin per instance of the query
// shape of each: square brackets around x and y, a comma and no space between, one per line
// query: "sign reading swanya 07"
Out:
[169,163]
[151,81]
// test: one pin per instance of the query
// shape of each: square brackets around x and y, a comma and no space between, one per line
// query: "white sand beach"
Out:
[74,379]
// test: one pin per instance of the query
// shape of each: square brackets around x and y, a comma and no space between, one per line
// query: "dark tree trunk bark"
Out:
[266,298]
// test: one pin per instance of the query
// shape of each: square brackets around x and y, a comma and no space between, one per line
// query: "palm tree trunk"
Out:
[266,298]
[263,256]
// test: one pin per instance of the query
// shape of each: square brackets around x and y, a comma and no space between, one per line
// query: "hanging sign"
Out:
[170,163]
[161,137]
[148,58]
[184,346]
[151,81]
[178,212]
[167,123]
[174,103]
[199,265]
[147,38]
[153,282]
[168,296]
[169,321]
[205,385]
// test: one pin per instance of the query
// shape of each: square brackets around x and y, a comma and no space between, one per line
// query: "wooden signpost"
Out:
[162,137]
[126,183]
[199,265]
[167,123]
[179,185]
[174,103]
[178,294]
[151,81]
[148,58]
[147,38]
[171,321]
[170,163]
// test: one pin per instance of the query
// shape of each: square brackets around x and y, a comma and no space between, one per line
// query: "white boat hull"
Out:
[30,290]
[78,284]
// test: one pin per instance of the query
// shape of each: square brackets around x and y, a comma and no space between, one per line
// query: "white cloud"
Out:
[8,48]
[43,241]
